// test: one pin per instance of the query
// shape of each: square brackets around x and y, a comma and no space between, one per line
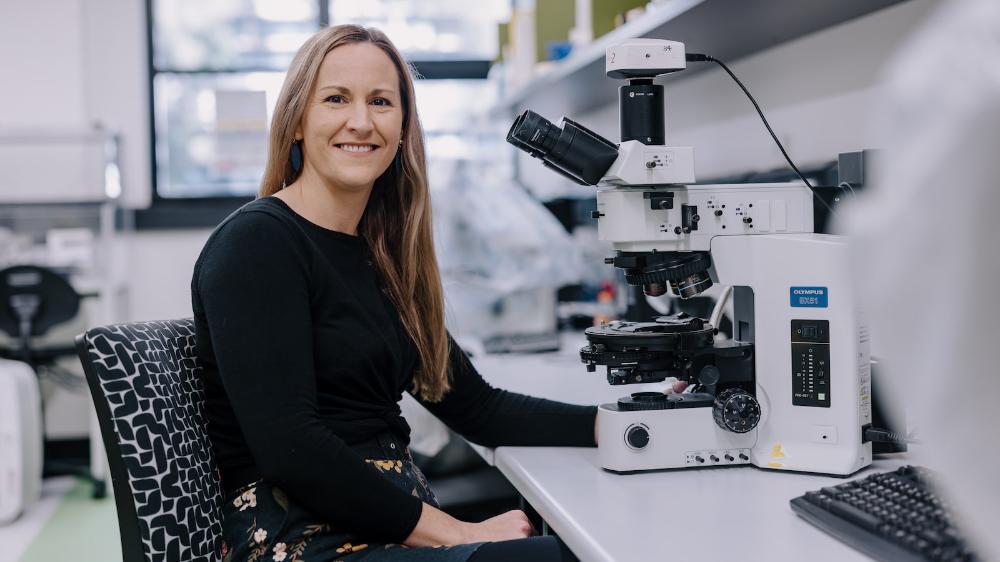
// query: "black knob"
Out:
[718,212]
[744,458]
[699,459]
[736,410]
[696,218]
[677,230]
[729,458]
[637,437]
[714,458]
[747,220]
[650,164]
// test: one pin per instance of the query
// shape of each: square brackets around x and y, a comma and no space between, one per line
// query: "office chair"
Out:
[150,400]
[34,299]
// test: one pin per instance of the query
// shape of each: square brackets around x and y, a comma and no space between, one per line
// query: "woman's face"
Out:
[353,122]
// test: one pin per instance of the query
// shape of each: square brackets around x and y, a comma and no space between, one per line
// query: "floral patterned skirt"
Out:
[261,524]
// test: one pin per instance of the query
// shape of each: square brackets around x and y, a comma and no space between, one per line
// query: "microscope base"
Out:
[681,438]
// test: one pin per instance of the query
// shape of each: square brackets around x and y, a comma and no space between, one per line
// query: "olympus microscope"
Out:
[791,390]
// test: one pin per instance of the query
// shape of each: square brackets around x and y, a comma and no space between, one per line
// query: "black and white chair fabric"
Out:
[150,401]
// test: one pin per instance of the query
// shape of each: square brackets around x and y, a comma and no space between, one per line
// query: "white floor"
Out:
[16,537]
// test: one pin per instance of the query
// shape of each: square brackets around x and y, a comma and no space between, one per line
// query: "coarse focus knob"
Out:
[637,437]
[736,410]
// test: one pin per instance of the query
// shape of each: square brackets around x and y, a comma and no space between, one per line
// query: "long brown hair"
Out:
[397,220]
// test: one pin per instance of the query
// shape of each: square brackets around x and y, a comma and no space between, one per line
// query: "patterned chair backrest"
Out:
[150,400]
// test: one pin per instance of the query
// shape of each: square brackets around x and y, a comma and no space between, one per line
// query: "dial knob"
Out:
[736,410]
[637,437]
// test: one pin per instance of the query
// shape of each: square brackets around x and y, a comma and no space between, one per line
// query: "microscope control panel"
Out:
[811,363]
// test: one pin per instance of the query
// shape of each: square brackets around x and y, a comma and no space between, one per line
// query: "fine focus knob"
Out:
[637,437]
[736,410]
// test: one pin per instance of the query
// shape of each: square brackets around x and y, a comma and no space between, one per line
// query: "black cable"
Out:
[879,435]
[698,57]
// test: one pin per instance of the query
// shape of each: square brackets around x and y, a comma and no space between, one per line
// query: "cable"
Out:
[879,435]
[720,307]
[698,57]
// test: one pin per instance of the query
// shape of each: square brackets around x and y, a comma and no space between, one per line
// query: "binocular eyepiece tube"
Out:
[573,150]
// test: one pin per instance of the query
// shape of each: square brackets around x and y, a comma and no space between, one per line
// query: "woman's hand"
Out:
[676,388]
[507,526]
[436,528]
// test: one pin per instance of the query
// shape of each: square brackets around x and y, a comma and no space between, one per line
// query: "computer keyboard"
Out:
[892,516]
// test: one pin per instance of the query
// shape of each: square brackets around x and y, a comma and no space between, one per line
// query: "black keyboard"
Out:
[892,516]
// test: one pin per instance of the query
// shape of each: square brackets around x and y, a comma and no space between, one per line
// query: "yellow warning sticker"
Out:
[777,452]
[773,464]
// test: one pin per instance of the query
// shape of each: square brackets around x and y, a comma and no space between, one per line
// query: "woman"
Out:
[317,305]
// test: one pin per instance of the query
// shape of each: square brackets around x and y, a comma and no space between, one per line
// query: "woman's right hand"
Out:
[507,526]
[436,528]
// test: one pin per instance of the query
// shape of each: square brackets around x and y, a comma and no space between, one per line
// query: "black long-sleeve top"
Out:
[304,354]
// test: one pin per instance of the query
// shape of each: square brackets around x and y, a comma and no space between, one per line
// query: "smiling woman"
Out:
[317,305]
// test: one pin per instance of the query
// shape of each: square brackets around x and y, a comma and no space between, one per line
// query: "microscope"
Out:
[791,390]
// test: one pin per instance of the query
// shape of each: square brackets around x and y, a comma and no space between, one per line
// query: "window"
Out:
[217,68]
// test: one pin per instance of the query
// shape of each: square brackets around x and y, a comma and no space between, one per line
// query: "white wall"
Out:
[818,92]
[116,86]
[66,66]
[159,272]
[42,63]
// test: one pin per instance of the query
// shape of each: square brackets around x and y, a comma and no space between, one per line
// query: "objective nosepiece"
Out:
[685,273]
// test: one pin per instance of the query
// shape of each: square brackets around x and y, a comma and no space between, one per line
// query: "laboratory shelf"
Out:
[725,29]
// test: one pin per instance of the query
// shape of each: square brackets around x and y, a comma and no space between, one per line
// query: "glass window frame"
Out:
[207,211]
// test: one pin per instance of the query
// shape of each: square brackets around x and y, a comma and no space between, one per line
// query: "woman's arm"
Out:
[495,417]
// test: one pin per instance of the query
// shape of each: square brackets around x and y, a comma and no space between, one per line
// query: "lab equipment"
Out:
[791,391]
[20,440]
[891,516]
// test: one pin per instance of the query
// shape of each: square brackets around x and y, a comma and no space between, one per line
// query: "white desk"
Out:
[705,514]
[725,513]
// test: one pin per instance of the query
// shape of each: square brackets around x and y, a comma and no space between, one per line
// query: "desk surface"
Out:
[730,513]
[726,513]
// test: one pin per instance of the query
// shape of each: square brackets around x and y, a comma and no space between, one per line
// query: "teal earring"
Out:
[397,162]
[296,156]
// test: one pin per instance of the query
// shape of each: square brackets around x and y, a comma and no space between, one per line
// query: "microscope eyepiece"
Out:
[572,150]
